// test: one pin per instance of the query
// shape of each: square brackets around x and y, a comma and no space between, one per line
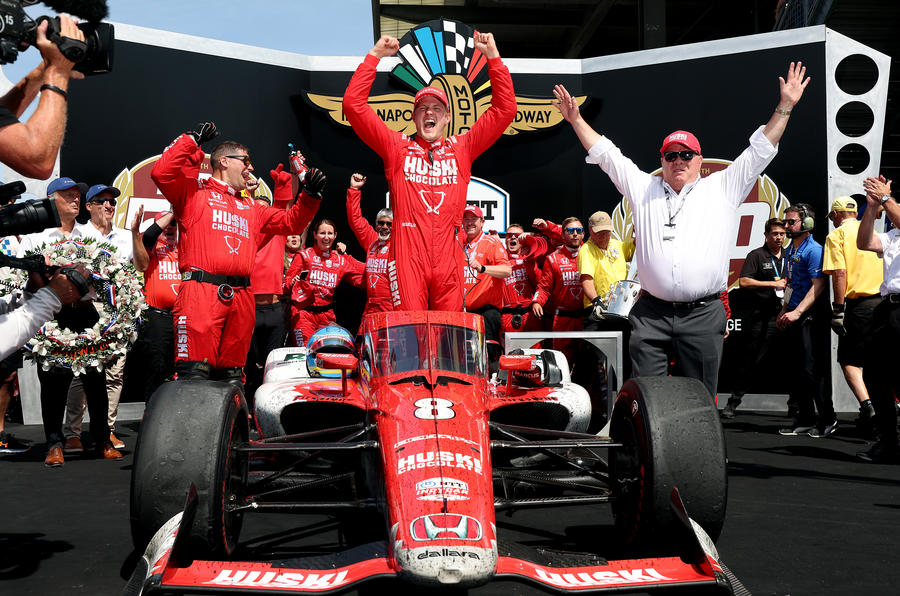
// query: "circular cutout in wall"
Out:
[854,119]
[853,158]
[856,74]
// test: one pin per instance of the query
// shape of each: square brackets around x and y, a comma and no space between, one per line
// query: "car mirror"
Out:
[339,361]
[517,362]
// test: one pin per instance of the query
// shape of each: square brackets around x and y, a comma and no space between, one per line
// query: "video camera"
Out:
[94,55]
[25,218]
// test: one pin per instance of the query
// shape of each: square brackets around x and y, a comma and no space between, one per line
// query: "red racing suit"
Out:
[428,183]
[378,290]
[560,289]
[326,270]
[218,234]
[519,287]
[162,277]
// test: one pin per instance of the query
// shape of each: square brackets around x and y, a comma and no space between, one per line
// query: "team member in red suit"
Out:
[313,305]
[155,254]
[377,245]
[524,251]
[266,283]
[428,176]
[486,268]
[560,287]
[218,235]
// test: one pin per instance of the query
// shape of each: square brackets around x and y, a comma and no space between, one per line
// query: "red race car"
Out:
[404,440]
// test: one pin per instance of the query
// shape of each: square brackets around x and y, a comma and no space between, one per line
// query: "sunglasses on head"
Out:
[243,158]
[99,201]
[574,230]
[386,224]
[684,155]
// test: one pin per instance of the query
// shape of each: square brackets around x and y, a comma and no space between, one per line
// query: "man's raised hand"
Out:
[279,176]
[314,183]
[792,88]
[385,47]
[204,131]
[357,180]
[137,221]
[484,43]
[566,104]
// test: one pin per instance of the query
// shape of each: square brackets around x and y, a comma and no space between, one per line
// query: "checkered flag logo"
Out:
[440,47]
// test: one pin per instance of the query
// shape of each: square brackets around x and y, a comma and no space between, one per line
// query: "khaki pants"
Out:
[76,402]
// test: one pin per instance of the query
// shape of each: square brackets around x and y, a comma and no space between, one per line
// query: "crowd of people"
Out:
[228,275]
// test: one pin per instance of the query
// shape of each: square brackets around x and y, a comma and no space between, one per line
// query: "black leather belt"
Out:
[235,281]
[515,310]
[694,304]
[893,298]
[226,283]
[318,309]
[579,312]
[161,311]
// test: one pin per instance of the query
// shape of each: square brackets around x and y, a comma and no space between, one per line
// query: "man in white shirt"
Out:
[879,368]
[680,221]
[101,204]
[67,196]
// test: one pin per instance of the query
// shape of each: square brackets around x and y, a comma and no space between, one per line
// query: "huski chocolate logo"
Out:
[442,54]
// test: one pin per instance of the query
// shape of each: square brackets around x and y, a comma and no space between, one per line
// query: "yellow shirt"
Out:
[605,266]
[864,268]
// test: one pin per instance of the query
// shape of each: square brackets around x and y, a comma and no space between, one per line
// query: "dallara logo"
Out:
[442,54]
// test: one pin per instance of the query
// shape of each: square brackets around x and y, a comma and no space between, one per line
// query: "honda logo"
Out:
[445,526]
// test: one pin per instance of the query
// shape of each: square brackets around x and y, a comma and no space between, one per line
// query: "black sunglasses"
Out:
[574,230]
[684,155]
[791,222]
[386,224]
[101,201]
[243,158]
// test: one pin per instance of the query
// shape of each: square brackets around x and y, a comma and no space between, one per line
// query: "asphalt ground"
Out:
[804,517]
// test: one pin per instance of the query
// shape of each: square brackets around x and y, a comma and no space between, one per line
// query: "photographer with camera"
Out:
[30,148]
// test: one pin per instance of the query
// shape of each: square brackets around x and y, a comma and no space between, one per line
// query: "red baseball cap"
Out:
[681,137]
[431,92]
[475,210]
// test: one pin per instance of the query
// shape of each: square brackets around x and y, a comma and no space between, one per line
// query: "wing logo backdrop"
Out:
[763,202]
[442,54]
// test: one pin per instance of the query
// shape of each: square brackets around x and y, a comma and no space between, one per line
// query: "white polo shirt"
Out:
[118,237]
[688,261]
[890,248]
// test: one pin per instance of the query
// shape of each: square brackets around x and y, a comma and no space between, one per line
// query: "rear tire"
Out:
[671,437]
[187,435]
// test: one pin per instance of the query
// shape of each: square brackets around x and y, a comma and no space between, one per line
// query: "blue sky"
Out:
[314,27]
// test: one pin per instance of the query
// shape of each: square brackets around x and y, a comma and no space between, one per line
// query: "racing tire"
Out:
[671,437]
[187,436]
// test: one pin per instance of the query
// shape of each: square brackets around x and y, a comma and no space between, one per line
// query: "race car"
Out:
[406,441]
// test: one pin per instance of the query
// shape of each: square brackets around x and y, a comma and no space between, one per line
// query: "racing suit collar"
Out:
[426,145]
[218,183]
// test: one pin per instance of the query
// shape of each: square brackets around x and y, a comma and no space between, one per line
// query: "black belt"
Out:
[861,298]
[161,311]
[226,283]
[515,310]
[235,281]
[893,298]
[694,304]
[579,312]
[318,309]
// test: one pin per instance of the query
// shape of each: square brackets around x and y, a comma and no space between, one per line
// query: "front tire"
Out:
[671,437]
[188,434]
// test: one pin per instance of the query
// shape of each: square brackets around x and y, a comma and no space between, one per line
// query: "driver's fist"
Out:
[204,131]
[386,46]
[357,180]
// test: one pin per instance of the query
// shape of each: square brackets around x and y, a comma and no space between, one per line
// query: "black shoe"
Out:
[730,407]
[796,429]
[11,445]
[879,454]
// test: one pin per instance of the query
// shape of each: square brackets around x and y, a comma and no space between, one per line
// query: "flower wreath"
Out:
[118,297]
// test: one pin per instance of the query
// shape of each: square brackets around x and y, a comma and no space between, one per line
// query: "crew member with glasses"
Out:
[684,226]
[219,230]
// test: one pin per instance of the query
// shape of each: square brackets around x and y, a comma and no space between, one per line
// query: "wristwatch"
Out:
[482,269]
[885,199]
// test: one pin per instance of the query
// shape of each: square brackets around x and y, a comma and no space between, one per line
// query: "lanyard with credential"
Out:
[775,267]
[790,259]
